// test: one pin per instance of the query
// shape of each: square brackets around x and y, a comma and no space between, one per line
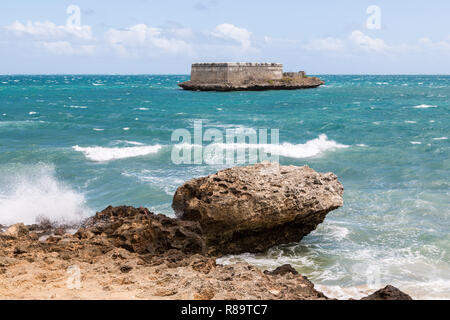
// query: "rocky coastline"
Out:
[132,253]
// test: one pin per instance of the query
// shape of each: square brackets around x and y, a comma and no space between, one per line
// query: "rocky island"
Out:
[132,253]
[236,76]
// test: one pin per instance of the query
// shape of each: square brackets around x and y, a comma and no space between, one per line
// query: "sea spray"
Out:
[32,193]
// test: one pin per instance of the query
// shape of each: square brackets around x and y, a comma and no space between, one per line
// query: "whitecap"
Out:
[416,142]
[97,129]
[311,148]
[410,121]
[441,138]
[101,154]
[78,107]
[424,106]
[126,129]
[135,143]
[32,112]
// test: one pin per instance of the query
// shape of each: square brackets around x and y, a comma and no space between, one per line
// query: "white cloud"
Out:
[50,30]
[230,32]
[325,44]
[428,43]
[66,48]
[141,36]
[367,43]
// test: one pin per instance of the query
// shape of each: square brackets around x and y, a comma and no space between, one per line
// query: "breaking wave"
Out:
[424,106]
[32,193]
[101,154]
[311,148]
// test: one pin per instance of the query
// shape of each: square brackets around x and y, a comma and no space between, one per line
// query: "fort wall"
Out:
[235,72]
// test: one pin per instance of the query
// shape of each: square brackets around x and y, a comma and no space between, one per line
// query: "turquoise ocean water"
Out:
[72,145]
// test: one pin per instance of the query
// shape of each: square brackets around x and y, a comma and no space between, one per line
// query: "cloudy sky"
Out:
[165,37]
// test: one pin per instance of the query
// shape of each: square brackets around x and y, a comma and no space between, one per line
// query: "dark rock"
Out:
[284,269]
[125,269]
[388,293]
[307,83]
[20,249]
[250,209]
[141,231]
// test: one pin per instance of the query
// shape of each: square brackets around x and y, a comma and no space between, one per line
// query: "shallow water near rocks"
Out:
[70,147]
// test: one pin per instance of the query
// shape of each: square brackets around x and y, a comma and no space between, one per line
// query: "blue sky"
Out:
[147,36]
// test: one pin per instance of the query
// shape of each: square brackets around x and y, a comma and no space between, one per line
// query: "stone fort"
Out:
[238,72]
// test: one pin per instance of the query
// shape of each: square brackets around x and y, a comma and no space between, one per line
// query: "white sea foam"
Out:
[78,107]
[311,148]
[336,232]
[416,142]
[97,129]
[101,154]
[32,112]
[28,193]
[424,106]
[370,267]
[441,138]
[410,121]
[134,143]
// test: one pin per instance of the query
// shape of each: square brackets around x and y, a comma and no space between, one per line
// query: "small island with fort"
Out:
[246,76]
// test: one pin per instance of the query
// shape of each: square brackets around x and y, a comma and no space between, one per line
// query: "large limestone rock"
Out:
[250,209]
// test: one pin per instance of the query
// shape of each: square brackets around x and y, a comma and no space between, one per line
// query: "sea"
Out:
[71,145]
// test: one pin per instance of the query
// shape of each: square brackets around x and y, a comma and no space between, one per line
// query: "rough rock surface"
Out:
[250,209]
[284,84]
[113,261]
[284,269]
[17,230]
[388,293]
[141,231]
